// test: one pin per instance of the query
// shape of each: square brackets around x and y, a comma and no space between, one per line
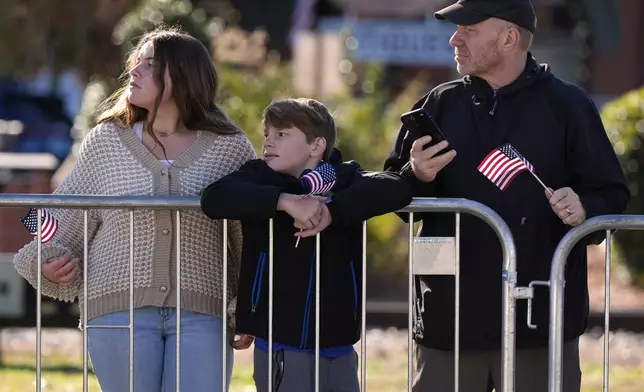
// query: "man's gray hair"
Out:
[525,35]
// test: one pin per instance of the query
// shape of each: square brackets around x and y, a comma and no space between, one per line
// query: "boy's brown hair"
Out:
[306,114]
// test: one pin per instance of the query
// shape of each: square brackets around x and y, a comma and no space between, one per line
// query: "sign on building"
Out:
[389,8]
[399,42]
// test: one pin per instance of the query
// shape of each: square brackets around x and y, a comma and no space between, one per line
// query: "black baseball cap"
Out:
[469,12]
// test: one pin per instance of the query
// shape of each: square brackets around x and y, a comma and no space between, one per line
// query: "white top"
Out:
[138,131]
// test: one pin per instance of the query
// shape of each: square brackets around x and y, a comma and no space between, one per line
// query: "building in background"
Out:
[616,60]
[596,44]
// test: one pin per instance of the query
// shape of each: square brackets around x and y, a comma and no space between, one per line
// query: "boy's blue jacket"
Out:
[250,195]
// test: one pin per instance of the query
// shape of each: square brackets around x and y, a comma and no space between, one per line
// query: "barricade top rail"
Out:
[98,201]
[418,205]
[453,205]
[574,235]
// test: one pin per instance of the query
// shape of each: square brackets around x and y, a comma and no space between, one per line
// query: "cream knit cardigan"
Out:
[112,161]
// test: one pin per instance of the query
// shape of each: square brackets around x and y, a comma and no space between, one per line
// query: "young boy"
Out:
[299,137]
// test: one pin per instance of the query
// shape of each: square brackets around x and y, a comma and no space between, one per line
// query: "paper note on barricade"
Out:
[434,256]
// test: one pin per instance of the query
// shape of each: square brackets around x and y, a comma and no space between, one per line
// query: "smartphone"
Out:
[419,123]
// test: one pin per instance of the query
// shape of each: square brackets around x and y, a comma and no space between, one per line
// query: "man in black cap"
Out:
[504,97]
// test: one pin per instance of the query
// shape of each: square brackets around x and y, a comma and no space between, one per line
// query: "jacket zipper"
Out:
[307,305]
[495,101]
[355,290]
[257,283]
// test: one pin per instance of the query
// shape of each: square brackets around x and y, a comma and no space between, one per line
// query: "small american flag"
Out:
[320,180]
[49,224]
[503,164]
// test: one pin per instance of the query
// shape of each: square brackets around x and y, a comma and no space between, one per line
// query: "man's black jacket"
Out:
[250,195]
[554,125]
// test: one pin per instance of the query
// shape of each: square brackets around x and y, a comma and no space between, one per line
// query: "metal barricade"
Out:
[510,292]
[557,281]
[424,205]
[130,203]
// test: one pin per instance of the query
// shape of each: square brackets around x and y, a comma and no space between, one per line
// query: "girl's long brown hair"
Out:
[194,85]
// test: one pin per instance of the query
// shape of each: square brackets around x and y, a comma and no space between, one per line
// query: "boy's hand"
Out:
[325,221]
[307,211]
[243,342]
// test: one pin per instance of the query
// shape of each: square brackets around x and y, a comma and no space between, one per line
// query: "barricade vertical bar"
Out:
[363,330]
[39,306]
[270,304]
[317,312]
[178,247]
[131,326]
[410,305]
[457,301]
[555,334]
[607,309]
[224,300]
[85,328]
[509,306]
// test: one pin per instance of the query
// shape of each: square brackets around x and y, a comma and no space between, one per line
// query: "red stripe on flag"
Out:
[48,227]
[487,157]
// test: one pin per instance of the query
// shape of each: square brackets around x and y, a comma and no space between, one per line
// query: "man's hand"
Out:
[242,341]
[566,204]
[61,270]
[305,210]
[423,162]
[325,221]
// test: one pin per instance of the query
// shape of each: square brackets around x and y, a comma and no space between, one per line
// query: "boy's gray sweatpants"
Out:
[295,372]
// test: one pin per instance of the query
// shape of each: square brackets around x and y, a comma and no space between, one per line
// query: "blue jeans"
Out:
[155,348]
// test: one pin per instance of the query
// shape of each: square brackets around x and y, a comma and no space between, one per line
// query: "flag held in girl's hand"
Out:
[49,224]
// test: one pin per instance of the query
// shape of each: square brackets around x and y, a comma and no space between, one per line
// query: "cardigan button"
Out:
[164,172]
[163,289]
[165,231]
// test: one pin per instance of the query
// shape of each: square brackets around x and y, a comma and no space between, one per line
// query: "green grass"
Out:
[24,381]
[62,374]
[384,374]
[621,379]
